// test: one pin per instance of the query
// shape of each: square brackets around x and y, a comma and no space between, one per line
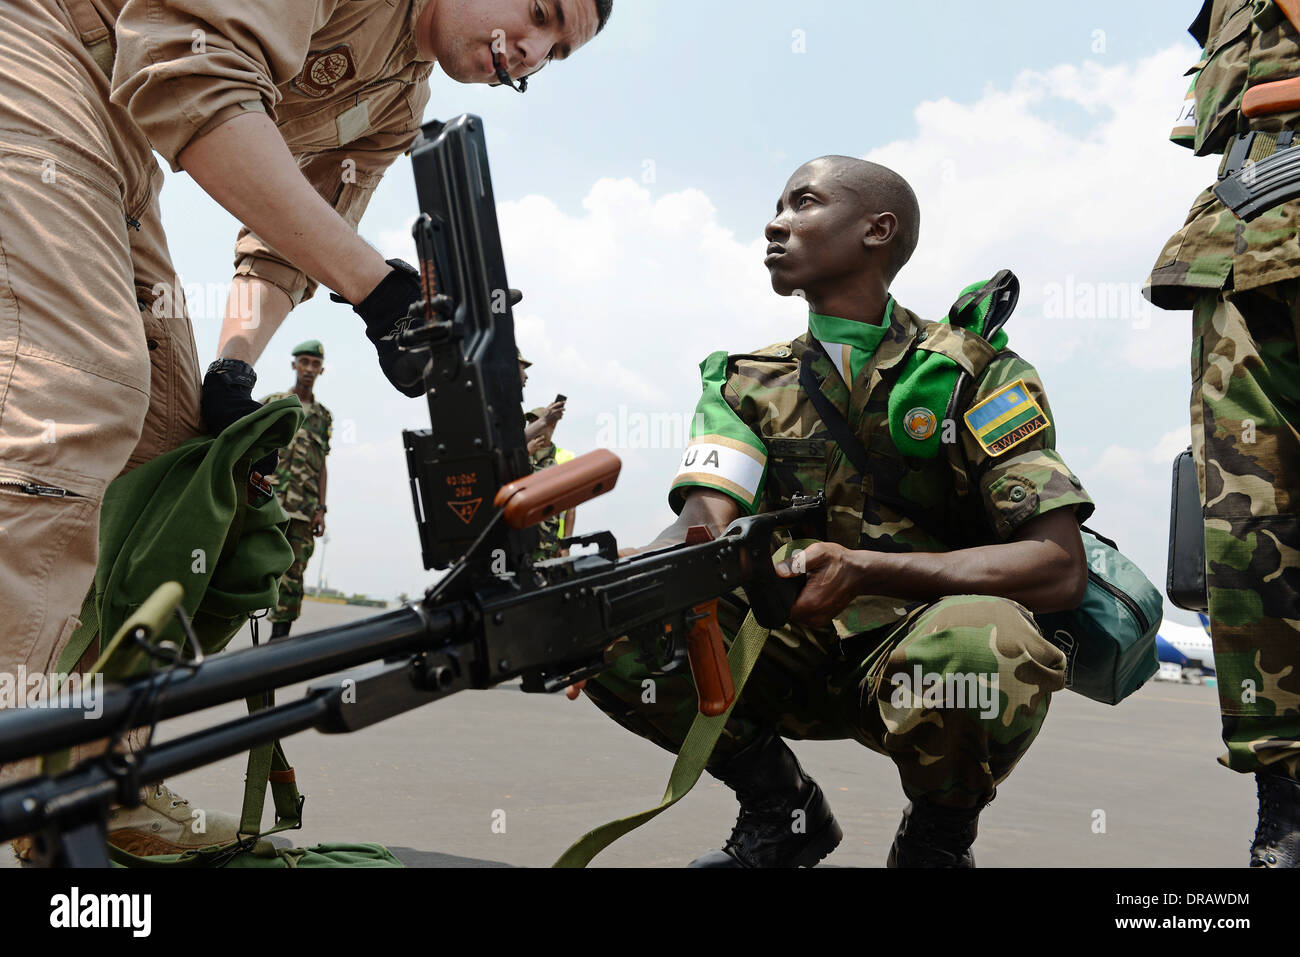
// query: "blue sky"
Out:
[634,182]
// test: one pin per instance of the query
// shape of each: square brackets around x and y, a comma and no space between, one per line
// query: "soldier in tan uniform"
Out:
[1242,283]
[300,480]
[287,115]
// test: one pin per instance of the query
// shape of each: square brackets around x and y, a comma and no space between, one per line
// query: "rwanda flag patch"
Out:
[1006,418]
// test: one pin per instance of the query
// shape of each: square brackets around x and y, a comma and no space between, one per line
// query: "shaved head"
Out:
[880,190]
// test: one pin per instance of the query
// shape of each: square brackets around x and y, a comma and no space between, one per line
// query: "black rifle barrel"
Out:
[33,804]
[25,732]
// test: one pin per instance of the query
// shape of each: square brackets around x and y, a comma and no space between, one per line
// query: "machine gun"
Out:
[494,617]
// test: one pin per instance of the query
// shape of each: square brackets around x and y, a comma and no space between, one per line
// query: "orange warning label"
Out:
[465,511]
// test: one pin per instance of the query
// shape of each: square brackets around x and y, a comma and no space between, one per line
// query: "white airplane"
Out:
[1185,651]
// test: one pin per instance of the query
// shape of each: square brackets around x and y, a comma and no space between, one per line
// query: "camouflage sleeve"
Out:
[329,430]
[1009,441]
[724,453]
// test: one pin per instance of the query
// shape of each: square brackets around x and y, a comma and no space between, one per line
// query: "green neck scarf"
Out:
[850,344]
[919,398]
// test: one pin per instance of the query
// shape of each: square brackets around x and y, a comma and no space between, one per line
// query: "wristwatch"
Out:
[241,373]
[321,508]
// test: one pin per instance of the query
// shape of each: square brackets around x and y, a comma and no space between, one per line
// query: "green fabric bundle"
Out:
[185,516]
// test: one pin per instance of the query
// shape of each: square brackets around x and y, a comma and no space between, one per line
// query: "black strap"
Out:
[1005,289]
[830,416]
[854,451]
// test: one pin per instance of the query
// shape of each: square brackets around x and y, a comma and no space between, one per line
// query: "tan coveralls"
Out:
[98,368]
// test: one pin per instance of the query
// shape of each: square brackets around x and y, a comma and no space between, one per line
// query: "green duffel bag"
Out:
[1110,640]
[264,854]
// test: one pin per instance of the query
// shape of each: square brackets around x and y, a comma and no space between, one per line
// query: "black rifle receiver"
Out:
[476,444]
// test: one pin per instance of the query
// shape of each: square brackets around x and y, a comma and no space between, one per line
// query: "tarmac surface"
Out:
[500,778]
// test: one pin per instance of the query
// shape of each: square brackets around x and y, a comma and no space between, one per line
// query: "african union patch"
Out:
[920,423]
[1006,418]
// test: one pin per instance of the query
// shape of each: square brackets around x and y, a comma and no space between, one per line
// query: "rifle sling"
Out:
[691,757]
[852,448]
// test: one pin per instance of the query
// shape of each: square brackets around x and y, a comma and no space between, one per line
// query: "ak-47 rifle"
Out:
[495,616]
[1254,186]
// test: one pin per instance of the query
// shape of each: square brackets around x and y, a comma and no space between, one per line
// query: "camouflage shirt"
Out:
[297,479]
[1246,42]
[758,437]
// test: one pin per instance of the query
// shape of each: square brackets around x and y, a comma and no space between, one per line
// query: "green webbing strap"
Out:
[57,762]
[82,637]
[153,614]
[262,761]
[692,757]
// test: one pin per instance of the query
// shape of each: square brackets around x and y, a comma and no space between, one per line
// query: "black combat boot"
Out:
[280,629]
[1277,839]
[934,836]
[771,787]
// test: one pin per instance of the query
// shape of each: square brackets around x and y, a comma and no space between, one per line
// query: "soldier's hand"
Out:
[554,412]
[386,311]
[575,689]
[835,577]
[226,397]
[318,524]
[227,394]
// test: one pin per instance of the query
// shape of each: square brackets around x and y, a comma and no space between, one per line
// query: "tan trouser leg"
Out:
[76,371]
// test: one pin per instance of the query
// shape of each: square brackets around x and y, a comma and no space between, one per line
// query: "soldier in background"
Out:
[542,454]
[539,428]
[300,481]
[1242,283]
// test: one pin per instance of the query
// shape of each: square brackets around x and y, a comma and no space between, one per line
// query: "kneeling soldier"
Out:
[949,524]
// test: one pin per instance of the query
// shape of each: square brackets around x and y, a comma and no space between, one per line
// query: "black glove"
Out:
[227,397]
[386,312]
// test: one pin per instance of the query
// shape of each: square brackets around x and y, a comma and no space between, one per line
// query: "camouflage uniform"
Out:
[297,483]
[552,529]
[844,682]
[1242,283]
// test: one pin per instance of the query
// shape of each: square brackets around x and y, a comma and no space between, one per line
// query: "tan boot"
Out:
[166,824]
[22,850]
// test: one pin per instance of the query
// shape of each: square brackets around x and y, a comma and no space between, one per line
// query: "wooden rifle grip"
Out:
[1280,96]
[705,649]
[708,658]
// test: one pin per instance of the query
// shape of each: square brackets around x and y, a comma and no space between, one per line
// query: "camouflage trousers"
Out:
[288,605]
[953,696]
[1245,417]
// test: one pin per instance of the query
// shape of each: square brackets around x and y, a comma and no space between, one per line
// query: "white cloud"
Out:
[1065,176]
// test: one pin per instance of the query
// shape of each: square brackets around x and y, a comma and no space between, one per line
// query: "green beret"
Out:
[311,347]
